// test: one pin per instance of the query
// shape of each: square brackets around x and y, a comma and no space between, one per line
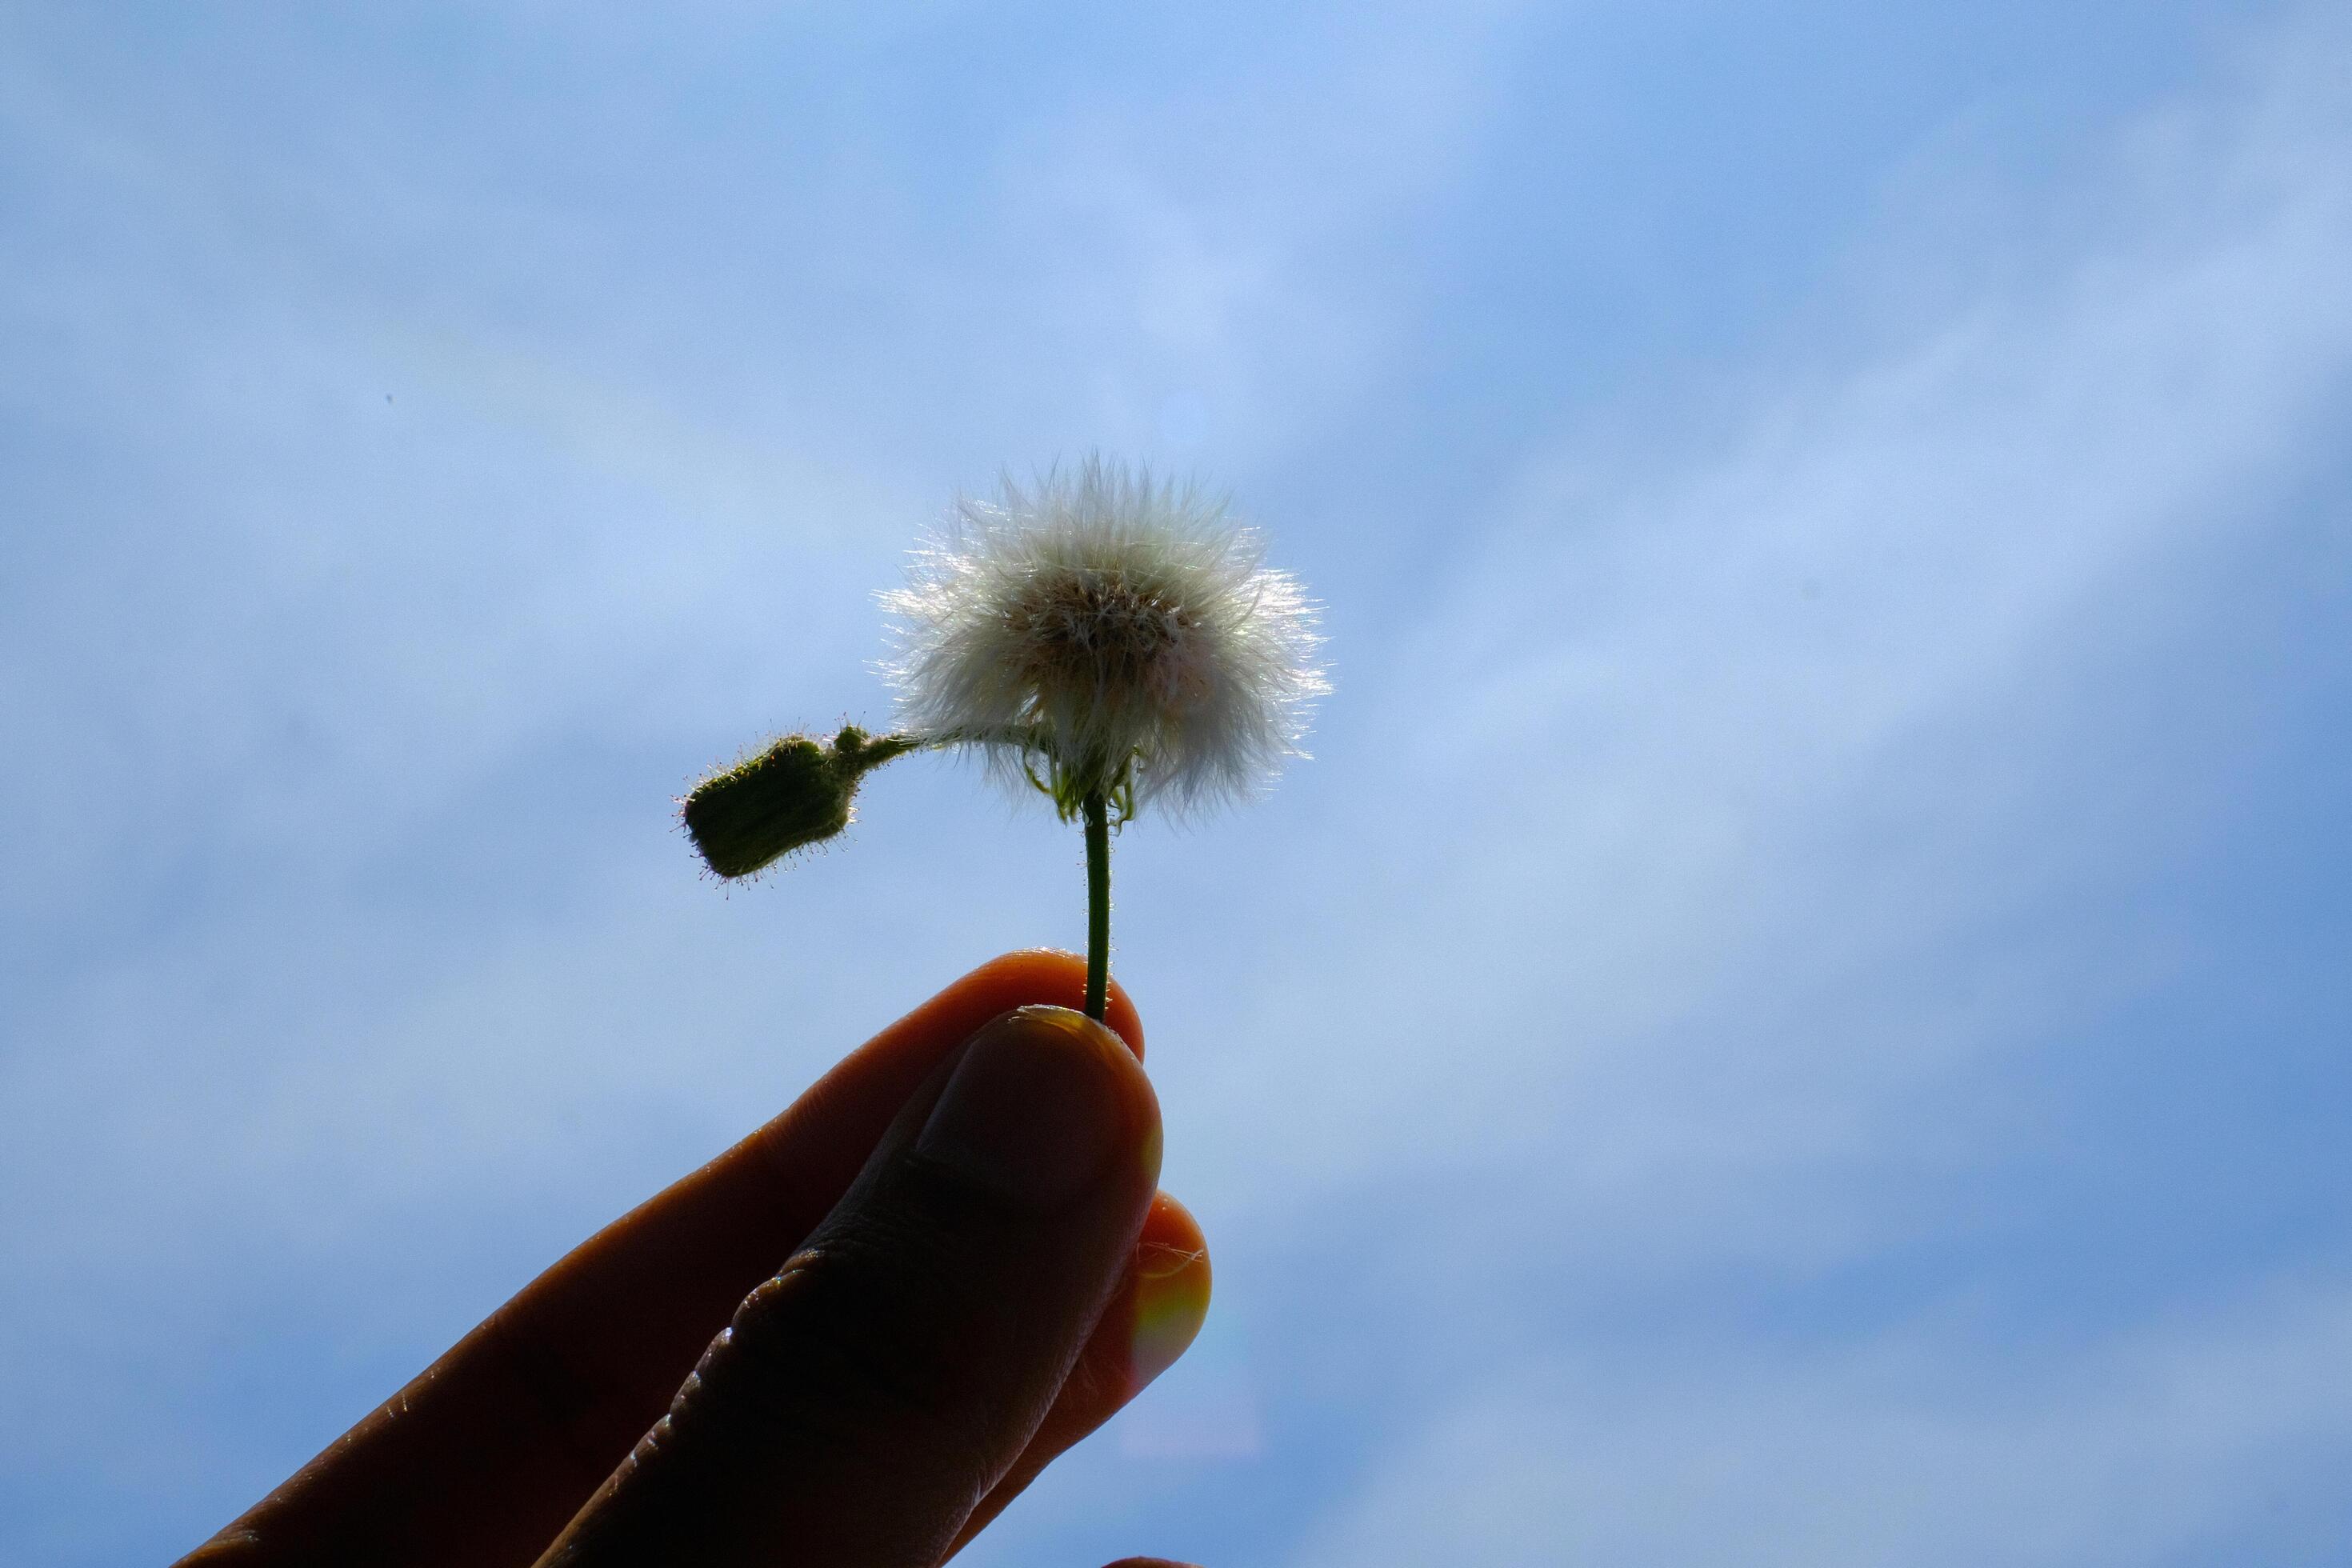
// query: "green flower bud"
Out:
[794,794]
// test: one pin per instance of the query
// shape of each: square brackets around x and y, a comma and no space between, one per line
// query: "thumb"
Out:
[867,1397]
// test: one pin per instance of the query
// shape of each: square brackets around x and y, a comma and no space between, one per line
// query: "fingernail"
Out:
[1171,1303]
[1031,1113]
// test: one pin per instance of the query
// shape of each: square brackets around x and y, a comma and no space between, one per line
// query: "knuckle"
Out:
[856,1325]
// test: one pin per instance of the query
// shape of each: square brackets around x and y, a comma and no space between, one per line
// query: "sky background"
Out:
[1802,1012]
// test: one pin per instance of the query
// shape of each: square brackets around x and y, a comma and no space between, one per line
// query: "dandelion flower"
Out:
[1125,635]
[1112,640]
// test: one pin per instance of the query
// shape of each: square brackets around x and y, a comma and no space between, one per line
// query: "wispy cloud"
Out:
[1740,929]
[1684,905]
[1730,729]
[1921,1448]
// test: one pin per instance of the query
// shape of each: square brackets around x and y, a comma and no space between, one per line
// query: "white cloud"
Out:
[1923,1448]
[1734,737]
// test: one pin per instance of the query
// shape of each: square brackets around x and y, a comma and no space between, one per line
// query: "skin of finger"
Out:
[482,1457]
[1159,1307]
[862,1401]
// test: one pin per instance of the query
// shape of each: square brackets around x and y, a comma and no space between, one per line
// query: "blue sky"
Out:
[1799,1015]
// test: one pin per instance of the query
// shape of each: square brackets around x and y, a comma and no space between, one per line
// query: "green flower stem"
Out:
[1097,807]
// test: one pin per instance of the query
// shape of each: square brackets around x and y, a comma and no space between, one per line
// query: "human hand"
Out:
[977,1271]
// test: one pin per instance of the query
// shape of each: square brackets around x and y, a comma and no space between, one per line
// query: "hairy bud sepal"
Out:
[797,792]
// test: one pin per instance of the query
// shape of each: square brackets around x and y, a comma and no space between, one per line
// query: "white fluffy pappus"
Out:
[1124,634]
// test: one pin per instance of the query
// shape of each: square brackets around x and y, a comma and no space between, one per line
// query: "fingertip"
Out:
[1168,1227]
[1048,1095]
[1173,1282]
[1058,979]
[1119,1012]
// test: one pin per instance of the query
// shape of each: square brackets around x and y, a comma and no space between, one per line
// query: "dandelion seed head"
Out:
[1118,634]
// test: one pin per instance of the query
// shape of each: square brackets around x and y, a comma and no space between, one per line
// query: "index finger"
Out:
[486,1453]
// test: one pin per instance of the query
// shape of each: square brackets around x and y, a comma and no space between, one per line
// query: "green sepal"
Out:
[1070,787]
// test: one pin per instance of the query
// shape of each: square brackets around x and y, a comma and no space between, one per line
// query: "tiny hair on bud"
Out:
[797,792]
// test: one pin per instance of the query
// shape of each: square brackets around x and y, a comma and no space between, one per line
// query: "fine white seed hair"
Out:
[1098,619]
